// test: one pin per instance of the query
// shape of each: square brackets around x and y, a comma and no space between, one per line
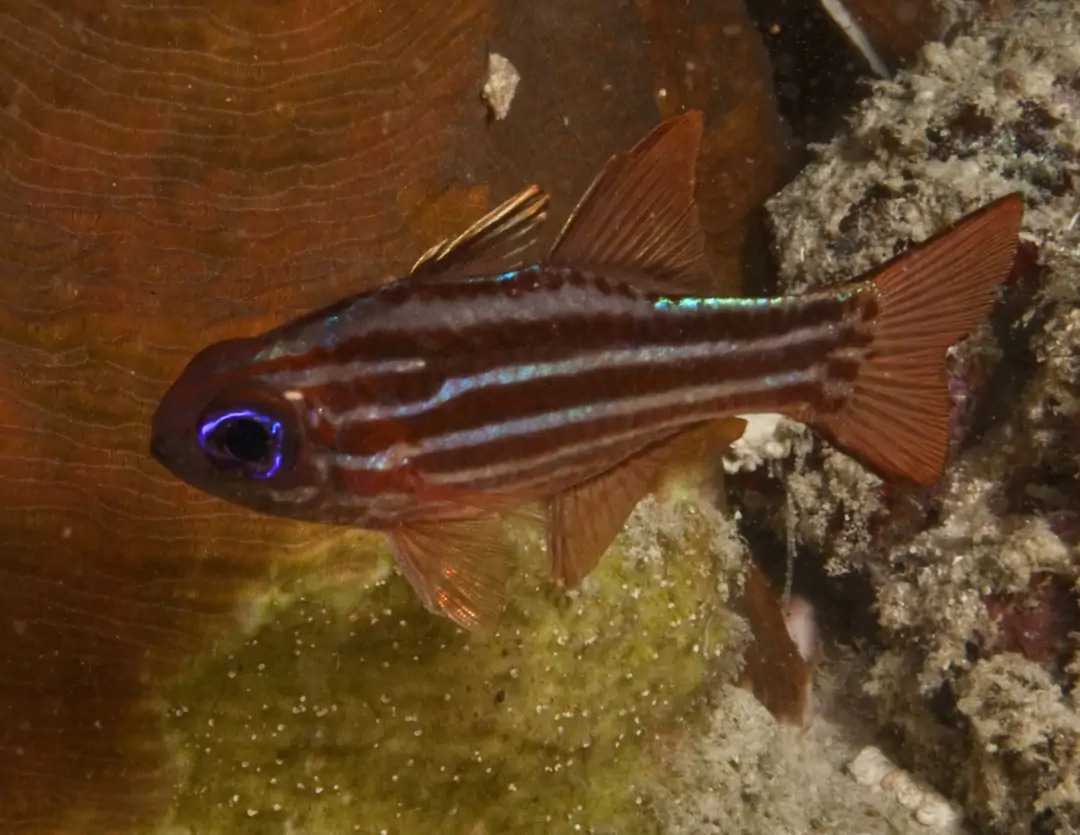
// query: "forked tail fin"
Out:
[930,297]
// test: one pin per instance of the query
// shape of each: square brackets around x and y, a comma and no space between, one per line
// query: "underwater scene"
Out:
[539,417]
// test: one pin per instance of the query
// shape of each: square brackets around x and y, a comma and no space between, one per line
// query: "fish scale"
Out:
[475,387]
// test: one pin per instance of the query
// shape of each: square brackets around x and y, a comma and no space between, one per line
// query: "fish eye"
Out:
[247,441]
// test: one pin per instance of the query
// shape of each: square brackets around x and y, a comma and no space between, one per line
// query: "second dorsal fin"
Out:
[640,213]
[492,244]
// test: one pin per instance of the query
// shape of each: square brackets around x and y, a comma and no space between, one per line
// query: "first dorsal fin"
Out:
[640,213]
[493,243]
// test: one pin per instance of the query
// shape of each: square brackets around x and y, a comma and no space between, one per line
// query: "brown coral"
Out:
[174,175]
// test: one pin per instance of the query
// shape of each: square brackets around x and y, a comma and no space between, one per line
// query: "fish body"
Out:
[525,383]
[434,405]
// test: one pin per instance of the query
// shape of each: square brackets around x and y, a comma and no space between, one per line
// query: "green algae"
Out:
[348,708]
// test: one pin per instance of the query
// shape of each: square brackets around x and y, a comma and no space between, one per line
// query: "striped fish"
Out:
[434,405]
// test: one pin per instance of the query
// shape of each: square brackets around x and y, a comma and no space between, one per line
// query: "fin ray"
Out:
[929,298]
[584,520]
[458,568]
[640,212]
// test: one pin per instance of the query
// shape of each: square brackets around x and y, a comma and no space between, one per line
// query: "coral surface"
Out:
[176,174]
[973,582]
[348,708]
[171,176]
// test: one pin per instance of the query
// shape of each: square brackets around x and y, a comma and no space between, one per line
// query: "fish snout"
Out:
[159,447]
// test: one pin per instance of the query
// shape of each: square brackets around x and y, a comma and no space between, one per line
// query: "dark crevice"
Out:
[817,73]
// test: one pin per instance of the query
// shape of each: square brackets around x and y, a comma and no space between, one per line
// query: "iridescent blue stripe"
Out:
[682,402]
[656,355]
[617,408]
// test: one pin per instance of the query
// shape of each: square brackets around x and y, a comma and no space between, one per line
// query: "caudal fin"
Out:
[930,297]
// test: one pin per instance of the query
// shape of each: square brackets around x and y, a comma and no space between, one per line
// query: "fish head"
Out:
[228,433]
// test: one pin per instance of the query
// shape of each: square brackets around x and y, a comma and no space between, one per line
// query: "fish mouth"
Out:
[157,448]
[161,450]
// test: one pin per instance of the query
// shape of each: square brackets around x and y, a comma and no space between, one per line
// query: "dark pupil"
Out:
[246,440]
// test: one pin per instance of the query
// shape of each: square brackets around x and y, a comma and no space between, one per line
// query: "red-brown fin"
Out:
[495,242]
[458,568]
[584,520]
[774,669]
[640,214]
[897,419]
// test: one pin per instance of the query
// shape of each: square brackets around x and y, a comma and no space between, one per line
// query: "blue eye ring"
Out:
[219,452]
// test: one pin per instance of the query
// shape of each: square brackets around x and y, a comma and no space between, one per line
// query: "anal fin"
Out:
[584,520]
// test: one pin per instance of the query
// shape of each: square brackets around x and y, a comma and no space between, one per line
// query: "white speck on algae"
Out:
[419,727]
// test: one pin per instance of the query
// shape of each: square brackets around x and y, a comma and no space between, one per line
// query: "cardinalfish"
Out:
[431,407]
